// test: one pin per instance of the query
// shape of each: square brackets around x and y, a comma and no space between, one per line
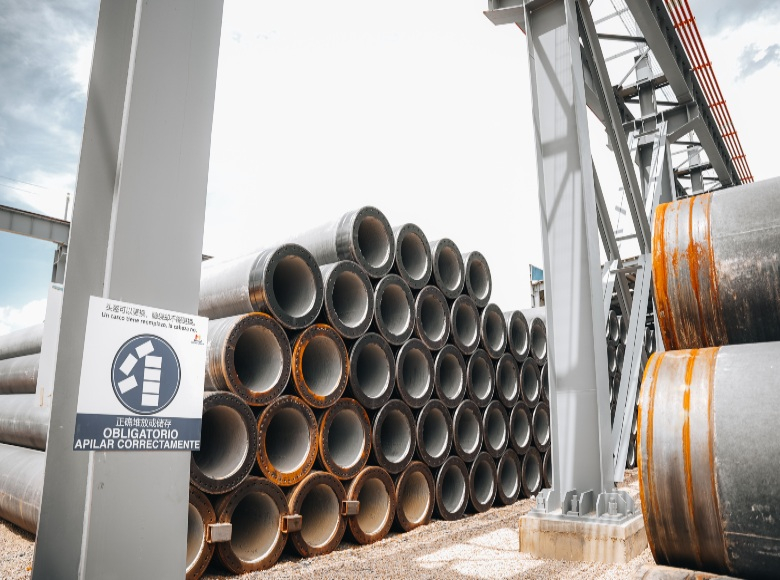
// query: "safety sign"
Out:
[141,383]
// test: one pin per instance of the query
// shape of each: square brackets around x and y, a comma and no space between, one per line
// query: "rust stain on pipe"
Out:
[199,552]
[344,439]
[318,499]
[320,366]
[374,489]
[415,496]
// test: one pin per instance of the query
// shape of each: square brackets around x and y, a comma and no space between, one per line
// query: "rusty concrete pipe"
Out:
[520,434]
[371,371]
[415,496]
[495,428]
[23,421]
[19,375]
[344,439]
[478,281]
[449,272]
[249,355]
[319,500]
[480,378]
[413,260]
[530,383]
[21,474]
[507,380]
[228,443]
[434,433]
[547,476]
[540,425]
[537,325]
[200,515]
[255,510]
[374,490]
[363,235]
[348,298]
[492,331]
[320,366]
[715,267]
[517,334]
[508,477]
[544,379]
[452,489]
[464,324]
[284,282]
[393,309]
[431,317]
[613,329]
[467,430]
[414,373]
[483,482]
[531,472]
[449,376]
[287,440]
[393,436]
[708,453]
[21,342]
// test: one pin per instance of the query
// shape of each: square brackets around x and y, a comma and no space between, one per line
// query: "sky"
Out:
[421,109]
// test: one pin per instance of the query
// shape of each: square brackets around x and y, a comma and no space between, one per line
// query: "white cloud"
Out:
[15,318]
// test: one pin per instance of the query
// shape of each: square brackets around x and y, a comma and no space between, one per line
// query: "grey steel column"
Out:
[136,236]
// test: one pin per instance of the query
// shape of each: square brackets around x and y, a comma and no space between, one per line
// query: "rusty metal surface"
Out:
[393,309]
[348,298]
[394,436]
[478,280]
[480,378]
[374,489]
[483,482]
[507,380]
[467,430]
[199,551]
[320,365]
[371,371]
[508,477]
[415,496]
[495,429]
[431,317]
[434,433]
[452,489]
[518,338]
[449,376]
[19,375]
[449,272]
[520,434]
[464,324]
[414,373]
[344,439]
[493,331]
[413,260]
[317,499]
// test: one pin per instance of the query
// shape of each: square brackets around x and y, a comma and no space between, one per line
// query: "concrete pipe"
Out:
[467,430]
[611,360]
[478,281]
[530,383]
[21,482]
[393,309]
[508,477]
[23,421]
[531,472]
[517,334]
[537,324]
[320,366]
[348,302]
[284,282]
[449,376]
[483,482]
[255,510]
[631,456]
[287,440]
[363,236]
[432,317]
[544,379]
[415,496]
[708,459]
[371,371]
[715,268]
[520,434]
[613,329]
[21,342]
[414,373]
[492,331]
[318,499]
[464,324]
[480,378]
[228,443]
[249,355]
[540,425]
[19,375]
[649,341]
[620,354]
[394,436]
[622,328]
[344,439]
[434,433]
[452,489]
[200,515]
[413,260]
[615,386]
[374,491]
[507,380]
[495,429]
[448,269]
[547,476]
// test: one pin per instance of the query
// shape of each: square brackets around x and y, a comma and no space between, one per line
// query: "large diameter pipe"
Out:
[508,476]
[393,309]
[249,355]
[255,510]
[287,440]
[544,379]
[467,430]
[492,331]
[478,281]
[520,433]
[394,436]
[613,328]
[541,427]
[531,472]
[415,496]
[371,371]
[431,317]
[715,267]
[507,380]
[344,439]
[200,515]
[452,489]
[547,476]
[374,490]
[464,324]
[517,334]
[434,433]
[21,342]
[449,272]
[495,429]
[480,378]
[348,303]
[413,260]
[23,421]
[318,499]
[483,482]
[414,373]
[449,377]
[708,457]
[320,366]
[21,482]
[363,235]
[530,383]
[19,375]
[228,443]
[537,329]
[284,282]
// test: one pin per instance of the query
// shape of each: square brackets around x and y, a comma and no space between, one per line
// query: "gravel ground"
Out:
[478,546]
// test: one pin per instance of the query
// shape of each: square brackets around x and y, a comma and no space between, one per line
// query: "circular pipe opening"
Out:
[479,279]
[538,340]
[415,373]
[545,379]
[374,506]
[508,478]
[394,309]
[414,499]
[395,436]
[346,438]
[372,370]
[547,467]
[541,426]
[287,440]
[322,365]
[435,434]
[484,484]
[255,522]
[433,318]
[481,378]
[495,337]
[453,489]
[532,472]
[224,443]
[294,286]
[508,379]
[529,380]
[373,241]
[196,537]
[466,324]
[495,428]
[450,269]
[258,359]
[518,336]
[413,256]
[320,512]
[350,299]
[521,429]
[451,376]
[468,432]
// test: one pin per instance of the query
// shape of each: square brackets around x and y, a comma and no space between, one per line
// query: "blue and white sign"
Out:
[141,379]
